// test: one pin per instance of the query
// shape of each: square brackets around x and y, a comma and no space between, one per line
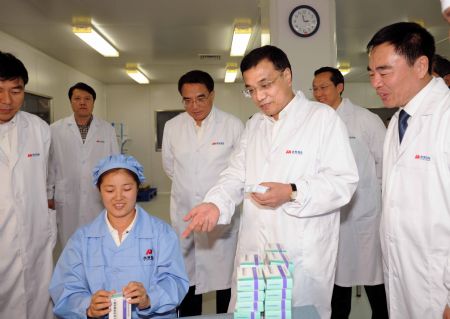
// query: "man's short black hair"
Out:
[267,52]
[441,65]
[196,76]
[409,40]
[12,68]
[84,87]
[336,75]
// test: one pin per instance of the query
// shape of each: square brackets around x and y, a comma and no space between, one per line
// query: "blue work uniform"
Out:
[91,261]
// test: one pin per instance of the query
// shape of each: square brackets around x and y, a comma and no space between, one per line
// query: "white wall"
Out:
[305,54]
[135,106]
[362,94]
[51,78]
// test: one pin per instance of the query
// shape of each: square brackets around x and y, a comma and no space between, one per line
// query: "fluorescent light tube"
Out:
[241,36]
[89,35]
[138,76]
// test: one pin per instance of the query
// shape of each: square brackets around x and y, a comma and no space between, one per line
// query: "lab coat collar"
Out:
[22,127]
[284,113]
[345,108]
[292,117]
[210,118]
[421,106]
[142,228]
[70,121]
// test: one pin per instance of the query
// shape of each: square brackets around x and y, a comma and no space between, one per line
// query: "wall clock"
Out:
[304,21]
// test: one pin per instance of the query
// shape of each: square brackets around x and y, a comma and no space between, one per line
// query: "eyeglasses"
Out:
[320,88]
[262,87]
[199,100]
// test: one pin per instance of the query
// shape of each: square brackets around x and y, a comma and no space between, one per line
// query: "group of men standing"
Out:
[309,155]
[302,152]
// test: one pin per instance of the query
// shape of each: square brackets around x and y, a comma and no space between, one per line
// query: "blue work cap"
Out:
[118,161]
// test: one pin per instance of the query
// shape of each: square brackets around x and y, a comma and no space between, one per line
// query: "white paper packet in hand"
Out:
[256,189]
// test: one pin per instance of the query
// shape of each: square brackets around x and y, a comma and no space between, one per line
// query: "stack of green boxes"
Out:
[265,285]
[277,303]
[250,288]
[279,296]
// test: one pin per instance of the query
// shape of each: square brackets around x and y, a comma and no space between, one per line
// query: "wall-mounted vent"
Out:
[209,57]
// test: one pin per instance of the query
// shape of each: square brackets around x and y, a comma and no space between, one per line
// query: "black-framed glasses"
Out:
[199,100]
[261,87]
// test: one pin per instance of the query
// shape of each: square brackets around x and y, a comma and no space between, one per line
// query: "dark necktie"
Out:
[402,124]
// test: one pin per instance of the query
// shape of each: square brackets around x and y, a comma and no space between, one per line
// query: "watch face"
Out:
[304,21]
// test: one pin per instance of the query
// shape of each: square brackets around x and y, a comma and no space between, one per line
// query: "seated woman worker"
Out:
[124,250]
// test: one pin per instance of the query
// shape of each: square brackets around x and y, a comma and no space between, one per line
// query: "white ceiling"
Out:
[166,37]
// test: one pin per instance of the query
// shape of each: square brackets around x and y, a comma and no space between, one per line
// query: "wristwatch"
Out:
[294,192]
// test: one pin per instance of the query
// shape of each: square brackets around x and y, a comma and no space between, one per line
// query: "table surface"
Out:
[303,312]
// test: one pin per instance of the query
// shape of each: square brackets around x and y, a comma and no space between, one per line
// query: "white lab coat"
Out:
[27,227]
[359,253]
[71,163]
[415,224]
[194,166]
[307,146]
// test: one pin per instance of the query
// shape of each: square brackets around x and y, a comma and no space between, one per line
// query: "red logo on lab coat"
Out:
[148,255]
[33,154]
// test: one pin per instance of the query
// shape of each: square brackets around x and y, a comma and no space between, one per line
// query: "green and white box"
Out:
[249,306]
[279,258]
[250,278]
[251,260]
[279,294]
[277,305]
[251,295]
[277,277]
[247,315]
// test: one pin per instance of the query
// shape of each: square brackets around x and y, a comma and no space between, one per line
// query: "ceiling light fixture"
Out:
[241,37]
[86,32]
[344,68]
[136,74]
[231,72]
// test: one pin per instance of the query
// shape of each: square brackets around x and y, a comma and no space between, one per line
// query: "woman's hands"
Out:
[136,294]
[100,303]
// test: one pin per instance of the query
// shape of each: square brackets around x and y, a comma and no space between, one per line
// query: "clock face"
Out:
[304,21]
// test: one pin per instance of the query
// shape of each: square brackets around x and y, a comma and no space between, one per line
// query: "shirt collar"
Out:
[115,234]
[413,105]
[206,120]
[284,113]
[10,124]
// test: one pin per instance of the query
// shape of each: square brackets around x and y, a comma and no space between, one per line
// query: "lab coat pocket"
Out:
[53,229]
[320,247]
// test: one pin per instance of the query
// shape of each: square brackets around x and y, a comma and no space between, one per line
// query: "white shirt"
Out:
[115,234]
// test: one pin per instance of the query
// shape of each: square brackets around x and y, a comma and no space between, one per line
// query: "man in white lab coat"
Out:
[196,147]
[299,149]
[359,252]
[415,223]
[78,143]
[27,227]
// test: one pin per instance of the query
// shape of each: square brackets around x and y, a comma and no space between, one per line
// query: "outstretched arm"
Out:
[203,218]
